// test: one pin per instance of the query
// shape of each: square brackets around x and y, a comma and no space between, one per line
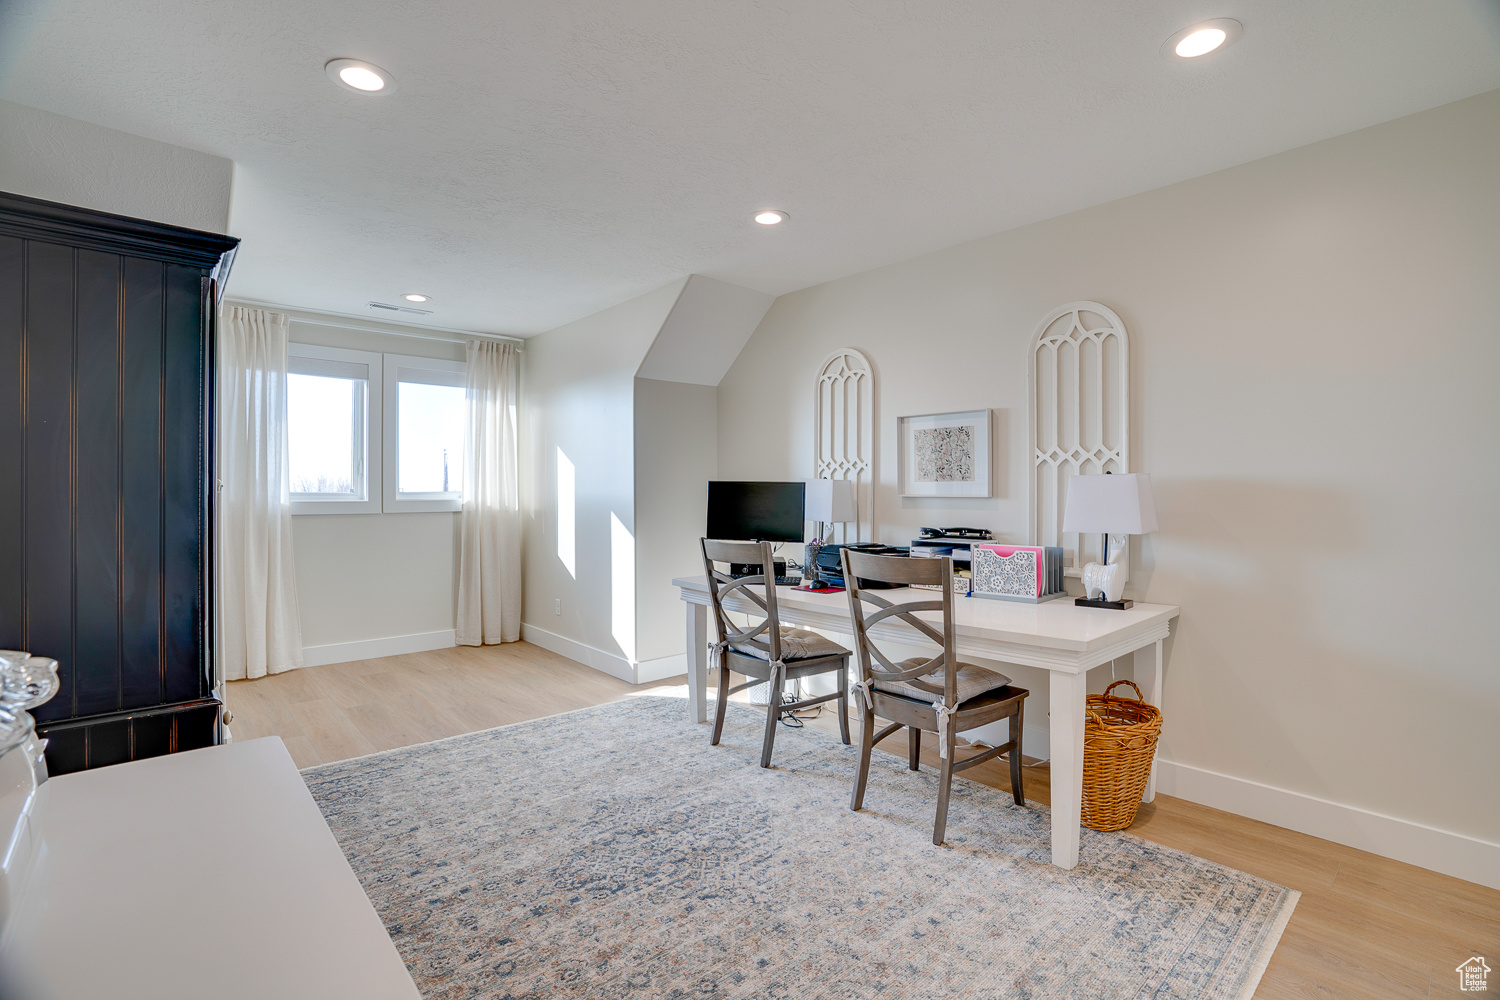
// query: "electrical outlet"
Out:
[557,606]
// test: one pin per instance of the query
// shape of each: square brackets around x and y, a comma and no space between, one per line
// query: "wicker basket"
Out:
[1119,743]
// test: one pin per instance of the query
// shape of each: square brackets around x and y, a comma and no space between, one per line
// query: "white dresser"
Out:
[209,873]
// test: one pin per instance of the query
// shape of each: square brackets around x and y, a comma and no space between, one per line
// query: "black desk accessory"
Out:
[829,567]
[976,534]
[1089,602]
[738,570]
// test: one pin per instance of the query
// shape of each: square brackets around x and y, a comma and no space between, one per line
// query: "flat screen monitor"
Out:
[767,512]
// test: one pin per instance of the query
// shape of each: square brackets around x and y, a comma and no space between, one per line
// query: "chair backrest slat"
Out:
[907,613]
[722,585]
[875,664]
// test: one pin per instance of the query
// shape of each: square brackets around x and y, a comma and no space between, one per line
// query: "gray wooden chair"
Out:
[940,694]
[765,650]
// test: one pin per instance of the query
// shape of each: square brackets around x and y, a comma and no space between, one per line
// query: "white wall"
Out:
[578,403]
[48,156]
[625,400]
[1316,343]
[368,577]
[676,454]
[364,577]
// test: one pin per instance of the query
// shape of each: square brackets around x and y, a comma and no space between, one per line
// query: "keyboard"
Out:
[789,581]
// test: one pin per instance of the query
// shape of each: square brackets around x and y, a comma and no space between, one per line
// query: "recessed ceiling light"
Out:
[359,76]
[416,297]
[771,217]
[1200,42]
[1202,38]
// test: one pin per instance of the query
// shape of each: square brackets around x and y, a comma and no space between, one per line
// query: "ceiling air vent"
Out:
[400,309]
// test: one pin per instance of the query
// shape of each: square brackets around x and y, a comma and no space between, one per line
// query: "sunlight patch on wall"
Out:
[567,543]
[622,585]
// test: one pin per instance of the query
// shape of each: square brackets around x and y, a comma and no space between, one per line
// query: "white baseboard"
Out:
[609,663]
[630,671]
[369,649]
[661,668]
[1453,854]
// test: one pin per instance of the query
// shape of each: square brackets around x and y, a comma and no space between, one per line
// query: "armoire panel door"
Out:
[185,484]
[116,476]
[47,437]
[96,561]
[12,451]
[142,681]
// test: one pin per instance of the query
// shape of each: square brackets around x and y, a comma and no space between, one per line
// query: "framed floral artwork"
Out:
[945,454]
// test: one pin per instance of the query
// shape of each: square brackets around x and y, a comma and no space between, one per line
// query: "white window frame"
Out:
[443,372]
[306,503]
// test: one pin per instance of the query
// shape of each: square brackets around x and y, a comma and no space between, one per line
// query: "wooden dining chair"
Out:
[940,694]
[765,650]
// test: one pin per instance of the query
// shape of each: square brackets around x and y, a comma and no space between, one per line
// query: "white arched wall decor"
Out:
[844,413]
[1080,418]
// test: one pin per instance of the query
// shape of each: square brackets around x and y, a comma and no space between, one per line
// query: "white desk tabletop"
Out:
[1056,624]
[204,873]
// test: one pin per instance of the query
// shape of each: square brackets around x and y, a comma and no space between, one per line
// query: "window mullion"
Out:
[361,421]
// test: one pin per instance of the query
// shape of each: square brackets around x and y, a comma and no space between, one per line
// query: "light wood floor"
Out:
[1366,927]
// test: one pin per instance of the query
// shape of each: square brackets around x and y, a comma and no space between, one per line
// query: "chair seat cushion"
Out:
[797,644]
[973,681]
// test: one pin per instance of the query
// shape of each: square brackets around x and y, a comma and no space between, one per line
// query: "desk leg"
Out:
[1068,702]
[697,657]
[1148,671]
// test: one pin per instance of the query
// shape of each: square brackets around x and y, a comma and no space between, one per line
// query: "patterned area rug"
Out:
[612,852]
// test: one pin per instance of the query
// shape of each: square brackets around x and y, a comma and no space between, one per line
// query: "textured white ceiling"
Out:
[543,159]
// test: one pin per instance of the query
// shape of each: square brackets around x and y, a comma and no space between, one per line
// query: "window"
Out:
[374,432]
[426,418]
[332,439]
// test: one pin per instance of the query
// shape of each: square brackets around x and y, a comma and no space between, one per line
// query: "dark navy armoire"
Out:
[106,466]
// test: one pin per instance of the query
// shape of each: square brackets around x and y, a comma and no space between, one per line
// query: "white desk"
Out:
[205,873]
[1065,640]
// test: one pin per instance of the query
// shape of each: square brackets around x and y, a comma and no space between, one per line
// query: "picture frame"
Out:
[944,454]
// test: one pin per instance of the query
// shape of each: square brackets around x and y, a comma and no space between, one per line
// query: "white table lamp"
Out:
[1110,505]
[827,501]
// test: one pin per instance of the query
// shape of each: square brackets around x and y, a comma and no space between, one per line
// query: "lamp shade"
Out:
[829,500]
[1115,505]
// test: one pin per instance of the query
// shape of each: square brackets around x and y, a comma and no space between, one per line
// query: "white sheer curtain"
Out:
[260,631]
[489,570]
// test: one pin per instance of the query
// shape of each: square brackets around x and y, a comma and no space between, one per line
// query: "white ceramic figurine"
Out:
[1107,582]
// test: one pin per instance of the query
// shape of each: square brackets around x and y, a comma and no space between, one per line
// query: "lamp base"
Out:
[1089,602]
